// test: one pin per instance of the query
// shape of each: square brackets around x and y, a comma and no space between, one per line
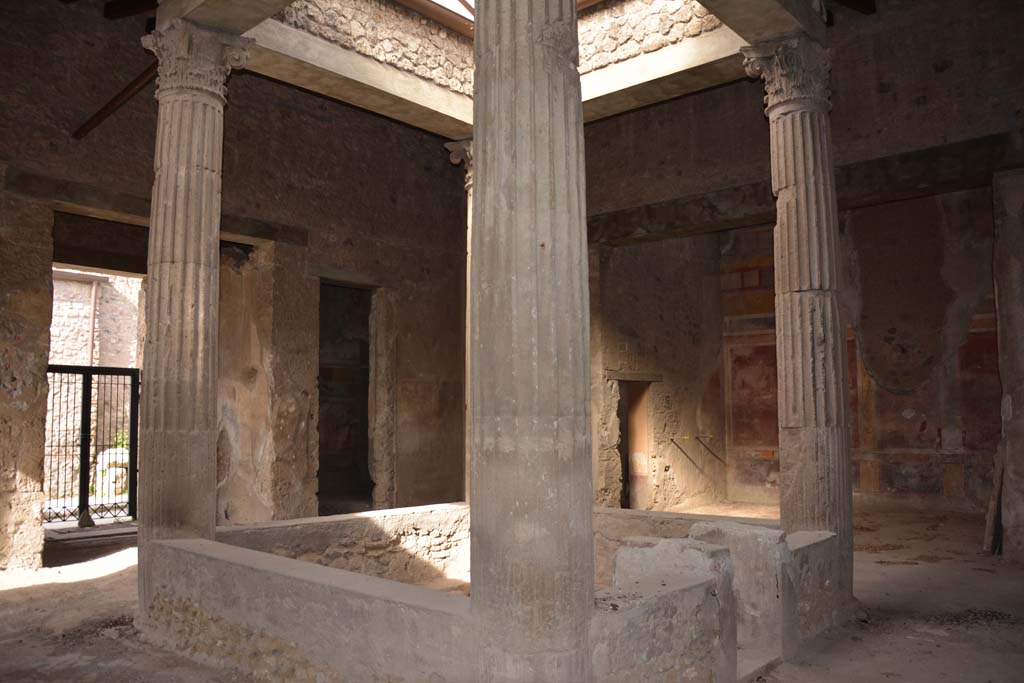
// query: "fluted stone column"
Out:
[177,494]
[461,152]
[1008,269]
[532,549]
[814,449]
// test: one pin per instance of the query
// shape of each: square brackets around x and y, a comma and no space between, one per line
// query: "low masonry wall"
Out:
[279,619]
[280,600]
[814,601]
[418,545]
[677,596]
[613,525]
[783,588]
[421,545]
[760,556]
[699,576]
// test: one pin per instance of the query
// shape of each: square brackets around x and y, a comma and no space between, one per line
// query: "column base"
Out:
[499,666]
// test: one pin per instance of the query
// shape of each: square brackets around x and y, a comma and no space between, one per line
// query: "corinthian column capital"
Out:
[461,152]
[195,59]
[795,70]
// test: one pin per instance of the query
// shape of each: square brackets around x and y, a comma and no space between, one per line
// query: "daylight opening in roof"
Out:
[464,8]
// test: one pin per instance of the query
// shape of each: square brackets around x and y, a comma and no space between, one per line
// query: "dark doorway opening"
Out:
[344,476]
[634,445]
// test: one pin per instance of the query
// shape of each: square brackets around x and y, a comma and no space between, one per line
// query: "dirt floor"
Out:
[74,624]
[934,609]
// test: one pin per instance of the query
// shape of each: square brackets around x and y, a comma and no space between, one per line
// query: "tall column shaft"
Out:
[179,404]
[814,450]
[461,152]
[1008,269]
[532,545]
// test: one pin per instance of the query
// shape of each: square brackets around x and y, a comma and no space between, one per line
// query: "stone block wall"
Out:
[26,254]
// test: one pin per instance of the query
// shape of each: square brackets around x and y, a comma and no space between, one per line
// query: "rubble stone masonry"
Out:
[609,32]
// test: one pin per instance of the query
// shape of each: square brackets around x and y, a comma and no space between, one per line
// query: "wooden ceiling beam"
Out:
[120,9]
[862,6]
[116,102]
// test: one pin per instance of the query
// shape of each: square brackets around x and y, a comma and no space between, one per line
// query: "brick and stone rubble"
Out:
[612,32]
[609,32]
[391,34]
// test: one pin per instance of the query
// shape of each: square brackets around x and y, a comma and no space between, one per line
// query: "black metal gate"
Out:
[92,443]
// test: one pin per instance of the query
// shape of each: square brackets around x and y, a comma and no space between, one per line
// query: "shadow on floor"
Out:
[71,545]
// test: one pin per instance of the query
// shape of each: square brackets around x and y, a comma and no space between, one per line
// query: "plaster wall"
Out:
[245,442]
[363,200]
[267,392]
[656,317]
[925,390]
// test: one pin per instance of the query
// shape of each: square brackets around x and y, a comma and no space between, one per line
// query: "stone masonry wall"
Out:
[26,252]
[911,76]
[70,340]
[116,316]
[325,170]
[613,32]
[110,328]
[117,322]
[390,34]
[656,316]
[610,32]
[411,545]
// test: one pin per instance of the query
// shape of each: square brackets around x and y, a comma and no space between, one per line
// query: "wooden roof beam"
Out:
[230,16]
[757,21]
